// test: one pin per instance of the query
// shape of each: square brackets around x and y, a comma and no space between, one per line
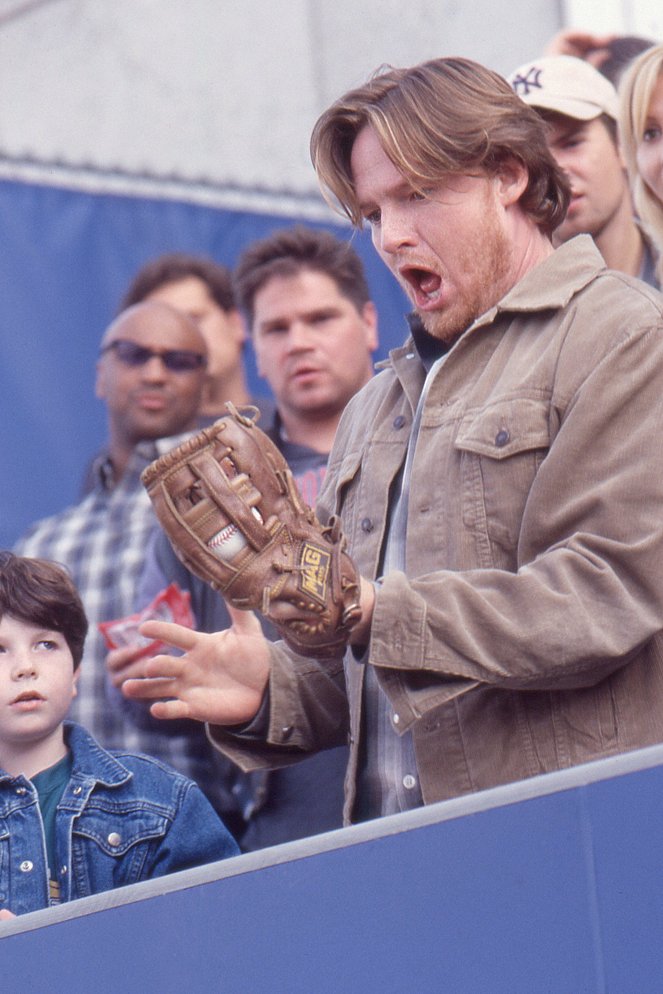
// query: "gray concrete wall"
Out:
[223,91]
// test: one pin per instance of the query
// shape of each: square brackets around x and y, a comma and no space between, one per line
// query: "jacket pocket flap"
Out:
[116,832]
[348,468]
[505,428]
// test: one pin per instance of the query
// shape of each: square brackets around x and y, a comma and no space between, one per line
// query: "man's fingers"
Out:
[146,690]
[169,632]
[132,671]
[160,666]
[170,710]
[245,622]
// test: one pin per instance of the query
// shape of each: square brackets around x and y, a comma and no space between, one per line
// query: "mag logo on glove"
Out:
[314,565]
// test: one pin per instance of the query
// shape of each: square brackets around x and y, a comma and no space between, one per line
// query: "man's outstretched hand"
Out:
[221,678]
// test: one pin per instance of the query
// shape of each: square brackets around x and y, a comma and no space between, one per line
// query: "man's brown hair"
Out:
[289,251]
[39,592]
[176,266]
[442,117]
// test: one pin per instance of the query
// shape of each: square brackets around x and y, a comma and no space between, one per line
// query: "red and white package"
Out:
[171,604]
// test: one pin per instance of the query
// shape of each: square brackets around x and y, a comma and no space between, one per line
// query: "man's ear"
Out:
[99,384]
[511,181]
[370,317]
[236,326]
[256,351]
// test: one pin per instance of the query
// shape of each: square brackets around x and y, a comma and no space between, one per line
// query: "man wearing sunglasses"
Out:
[203,288]
[151,373]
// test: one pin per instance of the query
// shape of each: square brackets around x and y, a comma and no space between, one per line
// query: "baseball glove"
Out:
[231,509]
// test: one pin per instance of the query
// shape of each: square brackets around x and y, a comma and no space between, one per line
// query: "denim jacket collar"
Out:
[92,764]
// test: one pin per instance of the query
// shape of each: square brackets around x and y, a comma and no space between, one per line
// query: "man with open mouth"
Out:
[499,482]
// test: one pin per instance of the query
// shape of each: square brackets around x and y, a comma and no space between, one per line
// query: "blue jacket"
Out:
[122,818]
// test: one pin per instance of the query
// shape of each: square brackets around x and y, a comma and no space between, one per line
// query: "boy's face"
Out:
[37,685]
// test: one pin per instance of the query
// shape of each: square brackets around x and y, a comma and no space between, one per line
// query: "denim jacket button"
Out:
[366,525]
[114,839]
[77,791]
[21,790]
[502,438]
[26,866]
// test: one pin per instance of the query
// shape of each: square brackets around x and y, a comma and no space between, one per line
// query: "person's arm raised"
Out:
[221,678]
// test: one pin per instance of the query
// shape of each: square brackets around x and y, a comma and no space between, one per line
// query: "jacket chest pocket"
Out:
[116,832]
[360,525]
[501,449]
[114,847]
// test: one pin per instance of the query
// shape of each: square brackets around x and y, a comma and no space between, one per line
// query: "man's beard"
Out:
[488,258]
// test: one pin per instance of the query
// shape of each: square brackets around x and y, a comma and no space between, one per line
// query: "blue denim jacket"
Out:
[122,818]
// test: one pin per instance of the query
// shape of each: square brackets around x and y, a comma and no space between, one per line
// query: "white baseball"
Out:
[227,543]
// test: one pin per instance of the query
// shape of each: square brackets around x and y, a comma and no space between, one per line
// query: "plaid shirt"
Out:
[102,541]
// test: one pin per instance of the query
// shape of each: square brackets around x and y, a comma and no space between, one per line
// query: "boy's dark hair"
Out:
[290,251]
[176,266]
[42,593]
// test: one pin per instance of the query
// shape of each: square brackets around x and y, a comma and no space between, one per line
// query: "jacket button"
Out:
[366,525]
[77,791]
[21,790]
[114,839]
[502,438]
[399,421]
[26,866]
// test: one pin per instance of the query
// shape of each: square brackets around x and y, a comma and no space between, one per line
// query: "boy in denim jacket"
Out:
[75,819]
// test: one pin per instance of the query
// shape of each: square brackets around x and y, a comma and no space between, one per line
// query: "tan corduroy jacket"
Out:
[524,635]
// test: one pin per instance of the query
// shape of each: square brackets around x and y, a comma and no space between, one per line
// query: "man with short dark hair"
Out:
[580,107]
[313,328]
[499,482]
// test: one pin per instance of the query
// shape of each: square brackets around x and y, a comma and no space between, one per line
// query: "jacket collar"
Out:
[143,454]
[552,284]
[548,286]
[90,761]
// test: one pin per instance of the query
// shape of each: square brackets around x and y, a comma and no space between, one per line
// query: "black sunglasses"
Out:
[176,360]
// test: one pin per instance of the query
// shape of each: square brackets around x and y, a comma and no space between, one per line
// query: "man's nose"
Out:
[394,231]
[299,336]
[154,370]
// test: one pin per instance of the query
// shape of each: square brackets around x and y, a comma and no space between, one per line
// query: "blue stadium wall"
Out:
[67,256]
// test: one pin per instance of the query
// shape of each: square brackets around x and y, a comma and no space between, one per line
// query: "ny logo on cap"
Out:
[531,81]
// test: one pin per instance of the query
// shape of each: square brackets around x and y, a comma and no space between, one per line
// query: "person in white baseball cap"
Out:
[581,107]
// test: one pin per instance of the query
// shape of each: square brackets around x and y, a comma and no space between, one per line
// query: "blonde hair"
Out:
[635,92]
[445,116]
